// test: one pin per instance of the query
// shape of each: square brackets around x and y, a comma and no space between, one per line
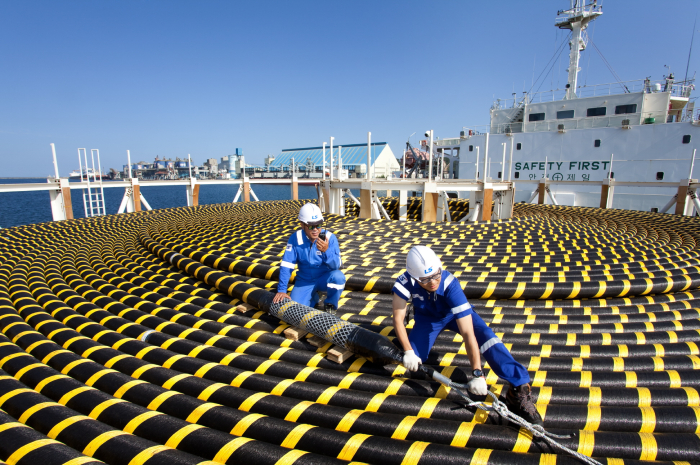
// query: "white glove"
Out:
[477,386]
[411,361]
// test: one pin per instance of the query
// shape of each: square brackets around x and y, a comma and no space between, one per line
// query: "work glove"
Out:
[411,361]
[477,386]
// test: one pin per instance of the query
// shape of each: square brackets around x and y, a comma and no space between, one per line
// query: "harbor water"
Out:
[21,208]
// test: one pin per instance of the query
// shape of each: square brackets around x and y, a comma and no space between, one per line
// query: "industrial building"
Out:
[167,168]
[308,162]
[161,168]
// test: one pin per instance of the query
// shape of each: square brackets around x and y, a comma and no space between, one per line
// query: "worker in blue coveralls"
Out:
[439,303]
[317,254]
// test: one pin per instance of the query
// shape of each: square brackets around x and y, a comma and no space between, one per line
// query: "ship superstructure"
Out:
[631,131]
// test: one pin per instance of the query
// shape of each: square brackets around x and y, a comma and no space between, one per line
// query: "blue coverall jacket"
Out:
[439,310]
[318,271]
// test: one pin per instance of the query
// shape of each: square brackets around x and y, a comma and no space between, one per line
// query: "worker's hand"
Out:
[322,245]
[280,296]
[478,387]
[411,361]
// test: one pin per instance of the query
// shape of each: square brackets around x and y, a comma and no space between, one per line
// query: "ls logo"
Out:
[429,270]
[314,217]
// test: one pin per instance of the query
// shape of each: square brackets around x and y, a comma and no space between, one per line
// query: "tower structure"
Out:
[576,19]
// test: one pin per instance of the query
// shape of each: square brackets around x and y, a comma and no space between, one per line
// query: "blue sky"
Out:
[173,77]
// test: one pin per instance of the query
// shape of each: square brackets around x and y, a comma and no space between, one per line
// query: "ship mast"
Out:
[576,19]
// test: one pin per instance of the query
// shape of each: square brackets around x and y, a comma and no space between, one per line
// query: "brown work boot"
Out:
[519,401]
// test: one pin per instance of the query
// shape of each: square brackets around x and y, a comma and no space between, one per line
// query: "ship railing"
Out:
[565,16]
[477,130]
[680,89]
[684,201]
[691,115]
[623,120]
[448,142]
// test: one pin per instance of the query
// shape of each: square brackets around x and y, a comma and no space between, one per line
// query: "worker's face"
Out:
[311,232]
[431,283]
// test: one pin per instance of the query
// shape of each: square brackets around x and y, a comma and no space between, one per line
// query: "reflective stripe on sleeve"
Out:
[287,264]
[402,290]
[448,280]
[461,308]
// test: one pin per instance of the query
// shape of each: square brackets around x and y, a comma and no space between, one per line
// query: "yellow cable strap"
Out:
[181,434]
[60,426]
[27,448]
[225,452]
[143,456]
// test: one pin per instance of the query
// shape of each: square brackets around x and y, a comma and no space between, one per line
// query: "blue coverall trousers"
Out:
[306,291]
[426,330]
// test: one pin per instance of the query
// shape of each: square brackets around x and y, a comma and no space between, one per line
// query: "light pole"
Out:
[369,155]
[442,163]
[331,159]
[128,161]
[430,154]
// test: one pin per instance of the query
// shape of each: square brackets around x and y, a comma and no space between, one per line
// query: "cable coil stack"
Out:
[139,339]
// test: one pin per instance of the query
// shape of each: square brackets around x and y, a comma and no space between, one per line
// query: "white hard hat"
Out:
[421,261]
[310,213]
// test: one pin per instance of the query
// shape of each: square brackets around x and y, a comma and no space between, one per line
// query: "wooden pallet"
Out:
[295,334]
[244,307]
[338,354]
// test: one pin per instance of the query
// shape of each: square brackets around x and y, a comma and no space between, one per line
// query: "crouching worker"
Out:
[317,254]
[439,303]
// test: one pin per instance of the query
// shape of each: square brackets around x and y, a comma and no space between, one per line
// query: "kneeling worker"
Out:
[317,254]
[439,303]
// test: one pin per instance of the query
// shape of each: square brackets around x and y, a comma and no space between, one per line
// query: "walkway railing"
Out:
[680,89]
[586,122]
[133,200]
[492,199]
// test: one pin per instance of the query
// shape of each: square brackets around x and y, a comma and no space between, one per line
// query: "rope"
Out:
[501,409]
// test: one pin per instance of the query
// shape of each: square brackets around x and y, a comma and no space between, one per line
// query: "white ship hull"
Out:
[643,132]
[643,153]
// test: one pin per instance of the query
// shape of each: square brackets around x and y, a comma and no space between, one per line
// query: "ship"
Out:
[77,175]
[642,131]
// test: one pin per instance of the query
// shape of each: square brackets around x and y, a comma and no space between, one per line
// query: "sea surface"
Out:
[20,208]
